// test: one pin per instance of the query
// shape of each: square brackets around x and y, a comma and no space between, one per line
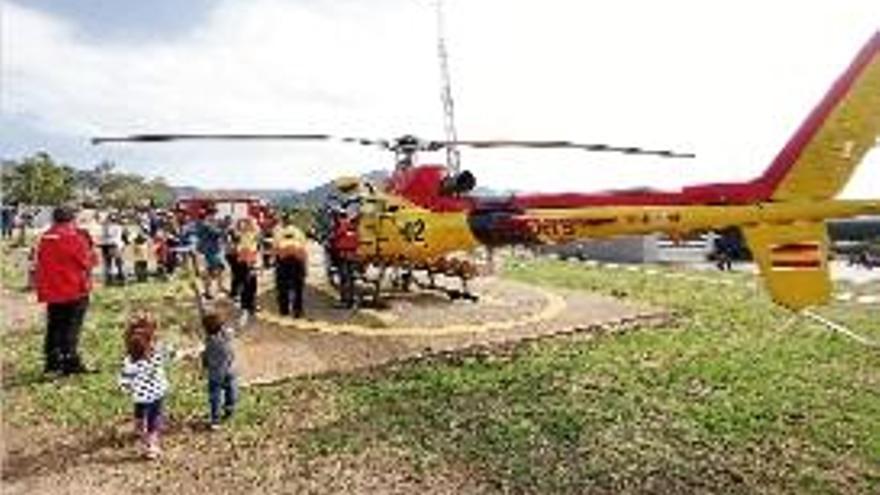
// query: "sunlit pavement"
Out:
[858,275]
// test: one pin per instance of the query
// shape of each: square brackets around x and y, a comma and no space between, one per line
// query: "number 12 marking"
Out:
[414,231]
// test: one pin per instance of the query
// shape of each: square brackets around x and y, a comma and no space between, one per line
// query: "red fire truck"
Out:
[187,209]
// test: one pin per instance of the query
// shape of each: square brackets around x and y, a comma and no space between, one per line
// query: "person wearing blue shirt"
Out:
[208,239]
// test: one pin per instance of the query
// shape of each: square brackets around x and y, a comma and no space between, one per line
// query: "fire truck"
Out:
[188,209]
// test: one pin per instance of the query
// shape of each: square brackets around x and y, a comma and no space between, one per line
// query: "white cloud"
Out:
[729,81]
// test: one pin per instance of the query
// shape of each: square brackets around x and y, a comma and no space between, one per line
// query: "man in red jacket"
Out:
[344,244]
[63,278]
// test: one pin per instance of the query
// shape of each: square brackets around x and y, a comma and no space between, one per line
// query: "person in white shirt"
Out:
[112,245]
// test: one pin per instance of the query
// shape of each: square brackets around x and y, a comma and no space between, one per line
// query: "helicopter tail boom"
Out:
[788,239]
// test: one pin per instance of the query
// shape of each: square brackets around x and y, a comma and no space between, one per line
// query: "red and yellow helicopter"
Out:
[425,214]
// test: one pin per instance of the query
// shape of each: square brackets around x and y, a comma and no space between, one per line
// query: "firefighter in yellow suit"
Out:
[248,256]
[289,244]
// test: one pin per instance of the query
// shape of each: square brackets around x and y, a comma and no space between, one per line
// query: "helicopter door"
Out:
[373,219]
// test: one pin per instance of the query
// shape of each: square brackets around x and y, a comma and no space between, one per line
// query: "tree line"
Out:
[41,180]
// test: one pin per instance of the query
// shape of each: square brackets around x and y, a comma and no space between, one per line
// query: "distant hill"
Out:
[267,194]
[289,198]
[319,194]
[280,197]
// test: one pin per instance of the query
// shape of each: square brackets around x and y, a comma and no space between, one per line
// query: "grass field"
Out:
[722,400]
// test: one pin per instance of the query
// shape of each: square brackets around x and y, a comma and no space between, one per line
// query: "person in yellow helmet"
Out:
[289,244]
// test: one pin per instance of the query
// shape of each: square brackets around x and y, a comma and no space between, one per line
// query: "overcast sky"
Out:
[729,81]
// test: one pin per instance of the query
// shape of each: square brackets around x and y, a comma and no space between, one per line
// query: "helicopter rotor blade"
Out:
[507,143]
[161,138]
[392,144]
[382,143]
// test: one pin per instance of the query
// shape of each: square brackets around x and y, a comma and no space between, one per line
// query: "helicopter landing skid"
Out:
[453,294]
[370,291]
[456,294]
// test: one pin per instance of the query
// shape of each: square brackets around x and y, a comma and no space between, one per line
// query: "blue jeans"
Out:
[149,415]
[224,388]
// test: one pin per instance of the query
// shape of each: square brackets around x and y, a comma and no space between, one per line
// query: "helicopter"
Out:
[424,214]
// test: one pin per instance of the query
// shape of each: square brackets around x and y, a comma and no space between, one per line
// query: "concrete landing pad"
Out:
[332,340]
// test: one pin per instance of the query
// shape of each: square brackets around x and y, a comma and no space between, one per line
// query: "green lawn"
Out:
[722,400]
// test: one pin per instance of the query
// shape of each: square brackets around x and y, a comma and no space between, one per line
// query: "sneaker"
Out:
[244,319]
[52,371]
[214,426]
[153,451]
[140,430]
[77,369]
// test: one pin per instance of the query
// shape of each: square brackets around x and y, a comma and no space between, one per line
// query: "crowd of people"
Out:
[152,245]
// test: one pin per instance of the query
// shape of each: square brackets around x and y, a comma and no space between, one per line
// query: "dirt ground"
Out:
[19,310]
[195,461]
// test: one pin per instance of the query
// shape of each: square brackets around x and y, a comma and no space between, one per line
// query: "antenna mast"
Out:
[453,158]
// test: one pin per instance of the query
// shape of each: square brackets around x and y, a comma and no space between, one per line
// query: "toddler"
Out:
[218,362]
[141,255]
[143,376]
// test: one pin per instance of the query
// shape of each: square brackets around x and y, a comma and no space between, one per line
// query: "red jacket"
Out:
[64,264]
[345,238]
